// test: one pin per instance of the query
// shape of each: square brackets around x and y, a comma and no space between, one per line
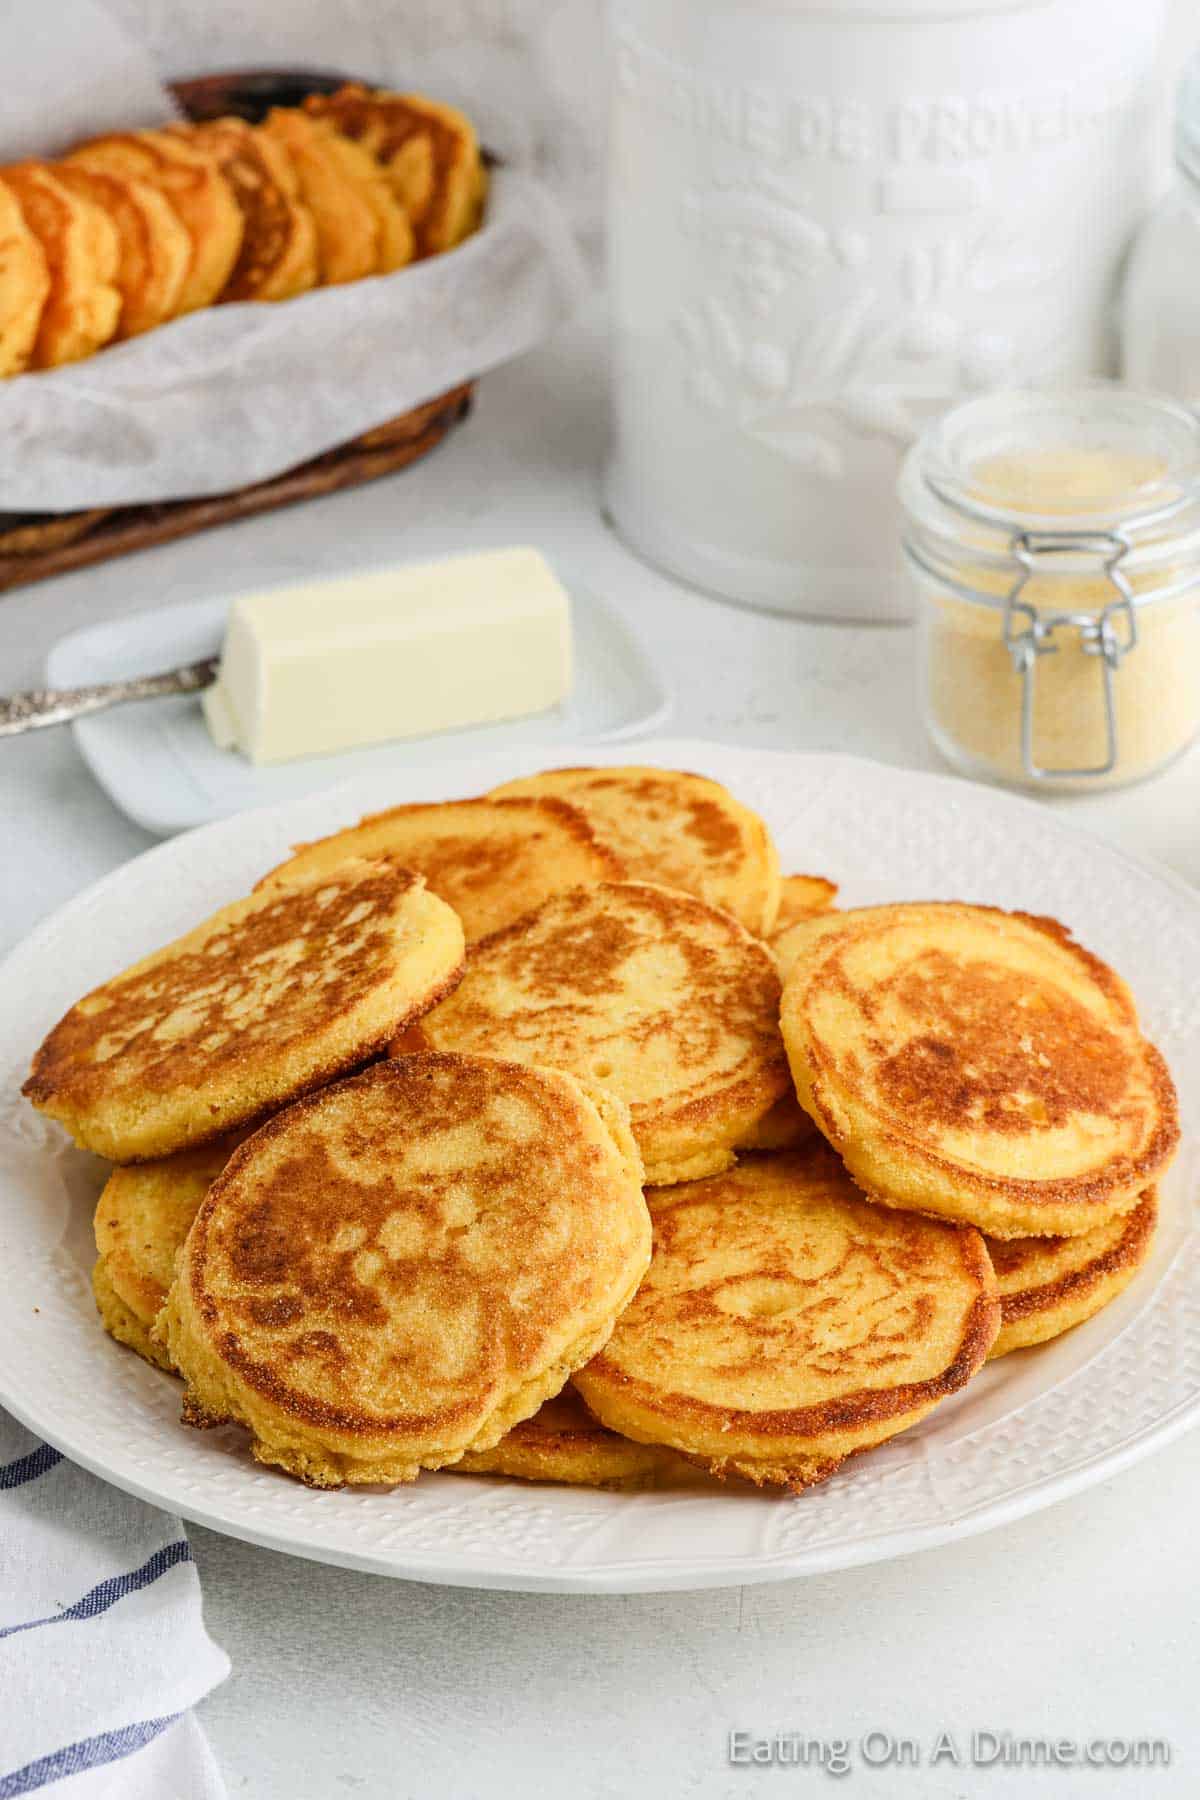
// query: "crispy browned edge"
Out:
[793,915]
[1126,1253]
[790,1479]
[350,1420]
[123,1325]
[571,817]
[1092,1190]
[775,1071]
[809,875]
[566,1437]
[569,1440]
[36,1088]
[868,1406]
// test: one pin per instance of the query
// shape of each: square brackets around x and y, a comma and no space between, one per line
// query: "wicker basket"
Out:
[35,546]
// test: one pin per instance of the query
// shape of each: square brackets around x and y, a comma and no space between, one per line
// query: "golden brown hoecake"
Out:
[666,1001]
[562,1442]
[269,998]
[977,1064]
[427,150]
[191,180]
[403,1267]
[79,242]
[1048,1285]
[786,1323]
[678,830]
[491,860]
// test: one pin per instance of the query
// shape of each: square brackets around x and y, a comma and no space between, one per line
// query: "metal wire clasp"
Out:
[1109,634]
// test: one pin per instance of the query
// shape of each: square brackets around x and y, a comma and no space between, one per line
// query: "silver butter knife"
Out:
[58,706]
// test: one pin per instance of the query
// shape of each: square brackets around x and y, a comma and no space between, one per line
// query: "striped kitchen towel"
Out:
[103,1650]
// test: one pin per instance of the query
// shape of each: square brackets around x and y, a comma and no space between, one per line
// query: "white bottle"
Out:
[1160,309]
[829,223]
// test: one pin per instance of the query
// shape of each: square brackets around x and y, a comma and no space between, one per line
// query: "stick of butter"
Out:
[391,653]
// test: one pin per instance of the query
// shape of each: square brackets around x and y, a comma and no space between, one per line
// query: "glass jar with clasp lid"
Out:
[1054,542]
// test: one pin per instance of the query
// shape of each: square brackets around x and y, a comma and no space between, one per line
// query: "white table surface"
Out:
[1080,1622]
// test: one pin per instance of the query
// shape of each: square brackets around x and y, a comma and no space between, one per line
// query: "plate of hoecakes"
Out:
[686,1166]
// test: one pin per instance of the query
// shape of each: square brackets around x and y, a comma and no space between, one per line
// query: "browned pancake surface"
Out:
[786,1323]
[562,1442]
[347,227]
[80,245]
[491,860]
[428,149]
[154,249]
[675,828]
[404,1266]
[24,285]
[278,254]
[270,997]
[668,1002]
[975,1063]
[192,181]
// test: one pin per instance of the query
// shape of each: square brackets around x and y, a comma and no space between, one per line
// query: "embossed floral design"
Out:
[765,239]
[874,375]
[859,366]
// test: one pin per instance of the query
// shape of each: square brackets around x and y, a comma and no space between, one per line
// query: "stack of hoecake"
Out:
[554,1134]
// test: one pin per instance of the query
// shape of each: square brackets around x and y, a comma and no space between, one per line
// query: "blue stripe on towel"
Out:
[28,1468]
[90,1753]
[107,1593]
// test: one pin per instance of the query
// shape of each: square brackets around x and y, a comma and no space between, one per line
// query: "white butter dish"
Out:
[158,763]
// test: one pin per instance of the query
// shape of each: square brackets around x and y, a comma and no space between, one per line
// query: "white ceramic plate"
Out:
[1035,1427]
[157,762]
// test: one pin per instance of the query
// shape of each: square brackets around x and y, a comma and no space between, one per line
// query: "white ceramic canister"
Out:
[829,220]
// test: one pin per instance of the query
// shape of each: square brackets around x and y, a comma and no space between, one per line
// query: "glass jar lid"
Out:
[1077,476]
